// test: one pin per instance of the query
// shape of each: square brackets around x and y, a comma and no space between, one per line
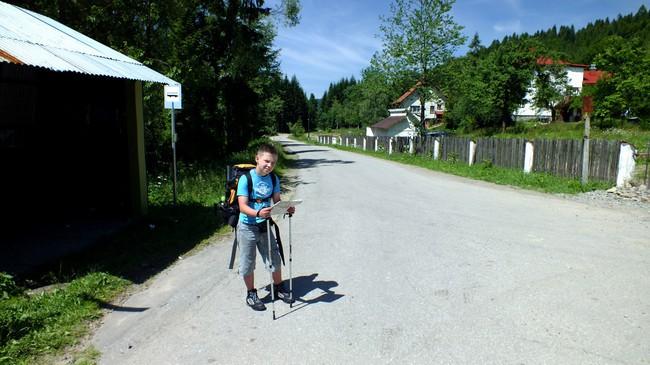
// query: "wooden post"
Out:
[585,152]
[135,136]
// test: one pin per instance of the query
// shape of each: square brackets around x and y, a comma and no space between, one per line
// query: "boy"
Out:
[251,229]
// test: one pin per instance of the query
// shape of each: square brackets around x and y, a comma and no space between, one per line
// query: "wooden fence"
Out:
[556,157]
[564,158]
[454,149]
[500,152]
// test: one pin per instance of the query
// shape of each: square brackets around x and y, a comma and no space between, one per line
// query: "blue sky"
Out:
[337,38]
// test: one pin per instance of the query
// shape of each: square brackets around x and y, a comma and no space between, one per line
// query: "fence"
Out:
[556,157]
[454,149]
[508,153]
[564,158]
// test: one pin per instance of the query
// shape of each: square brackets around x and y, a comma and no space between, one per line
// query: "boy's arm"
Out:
[243,206]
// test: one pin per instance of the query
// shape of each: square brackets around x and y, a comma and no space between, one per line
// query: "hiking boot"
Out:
[254,301]
[282,293]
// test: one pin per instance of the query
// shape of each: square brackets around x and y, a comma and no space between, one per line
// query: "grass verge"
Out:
[35,328]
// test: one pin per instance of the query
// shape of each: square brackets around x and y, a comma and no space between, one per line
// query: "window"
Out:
[415,109]
[432,109]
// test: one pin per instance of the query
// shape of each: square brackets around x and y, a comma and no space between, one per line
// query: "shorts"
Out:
[250,236]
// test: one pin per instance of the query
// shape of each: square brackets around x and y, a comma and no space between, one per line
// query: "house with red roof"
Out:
[578,75]
[405,114]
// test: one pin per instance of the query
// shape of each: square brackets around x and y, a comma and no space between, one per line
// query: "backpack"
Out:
[229,205]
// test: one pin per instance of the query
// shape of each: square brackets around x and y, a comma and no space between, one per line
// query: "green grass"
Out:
[36,328]
[35,325]
[487,172]
[630,133]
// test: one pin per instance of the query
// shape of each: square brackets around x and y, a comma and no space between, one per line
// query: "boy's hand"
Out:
[265,213]
[291,210]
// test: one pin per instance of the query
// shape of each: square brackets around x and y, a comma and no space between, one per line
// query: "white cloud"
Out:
[508,27]
[324,58]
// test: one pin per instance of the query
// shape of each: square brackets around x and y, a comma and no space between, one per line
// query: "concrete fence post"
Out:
[364,143]
[436,149]
[472,152]
[411,145]
[626,164]
[528,157]
[390,146]
[376,139]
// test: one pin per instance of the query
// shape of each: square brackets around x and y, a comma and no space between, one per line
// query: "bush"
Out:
[297,130]
[8,286]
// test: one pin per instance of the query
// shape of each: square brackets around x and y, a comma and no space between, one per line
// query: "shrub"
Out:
[8,286]
[297,130]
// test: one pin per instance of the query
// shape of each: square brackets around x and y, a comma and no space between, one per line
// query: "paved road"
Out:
[396,264]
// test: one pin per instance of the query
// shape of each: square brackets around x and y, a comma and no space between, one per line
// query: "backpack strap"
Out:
[249,179]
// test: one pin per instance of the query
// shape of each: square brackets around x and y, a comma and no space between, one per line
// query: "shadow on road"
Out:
[303,151]
[115,308]
[305,163]
[303,285]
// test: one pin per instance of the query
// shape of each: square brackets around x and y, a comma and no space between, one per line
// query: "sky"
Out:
[336,39]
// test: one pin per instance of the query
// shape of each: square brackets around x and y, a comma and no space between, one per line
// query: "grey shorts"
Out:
[249,237]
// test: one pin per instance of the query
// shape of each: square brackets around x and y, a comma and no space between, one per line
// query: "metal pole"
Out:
[647,160]
[270,262]
[585,152]
[174,148]
[290,273]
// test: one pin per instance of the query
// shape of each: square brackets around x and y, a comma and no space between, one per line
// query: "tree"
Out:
[623,92]
[484,91]
[419,36]
[552,90]
[222,55]
[312,112]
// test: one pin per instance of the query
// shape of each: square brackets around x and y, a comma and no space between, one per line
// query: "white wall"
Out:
[526,111]
[414,100]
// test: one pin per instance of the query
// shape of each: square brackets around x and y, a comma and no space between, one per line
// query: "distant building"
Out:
[406,111]
[578,75]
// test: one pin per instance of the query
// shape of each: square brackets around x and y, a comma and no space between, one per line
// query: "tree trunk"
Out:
[422,127]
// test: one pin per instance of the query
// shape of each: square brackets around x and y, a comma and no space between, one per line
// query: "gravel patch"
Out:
[630,197]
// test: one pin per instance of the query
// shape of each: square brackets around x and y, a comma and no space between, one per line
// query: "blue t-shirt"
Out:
[262,186]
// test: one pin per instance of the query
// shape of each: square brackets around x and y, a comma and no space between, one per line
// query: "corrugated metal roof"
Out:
[28,38]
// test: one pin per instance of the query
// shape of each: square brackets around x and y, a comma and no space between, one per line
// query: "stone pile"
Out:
[625,197]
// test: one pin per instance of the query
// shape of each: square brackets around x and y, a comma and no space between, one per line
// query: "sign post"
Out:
[173,101]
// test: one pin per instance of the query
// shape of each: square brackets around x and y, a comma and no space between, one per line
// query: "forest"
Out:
[484,87]
[222,53]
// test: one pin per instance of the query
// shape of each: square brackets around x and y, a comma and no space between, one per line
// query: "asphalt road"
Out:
[396,264]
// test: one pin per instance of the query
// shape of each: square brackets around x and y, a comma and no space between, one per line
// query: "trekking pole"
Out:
[290,273]
[270,261]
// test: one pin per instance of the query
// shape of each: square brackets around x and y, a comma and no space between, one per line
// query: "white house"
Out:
[399,123]
[575,77]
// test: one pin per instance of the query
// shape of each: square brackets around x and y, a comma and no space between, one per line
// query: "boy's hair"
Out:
[266,147]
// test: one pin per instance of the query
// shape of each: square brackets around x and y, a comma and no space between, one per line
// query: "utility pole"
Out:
[585,151]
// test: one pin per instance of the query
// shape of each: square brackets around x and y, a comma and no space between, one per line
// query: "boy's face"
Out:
[265,162]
